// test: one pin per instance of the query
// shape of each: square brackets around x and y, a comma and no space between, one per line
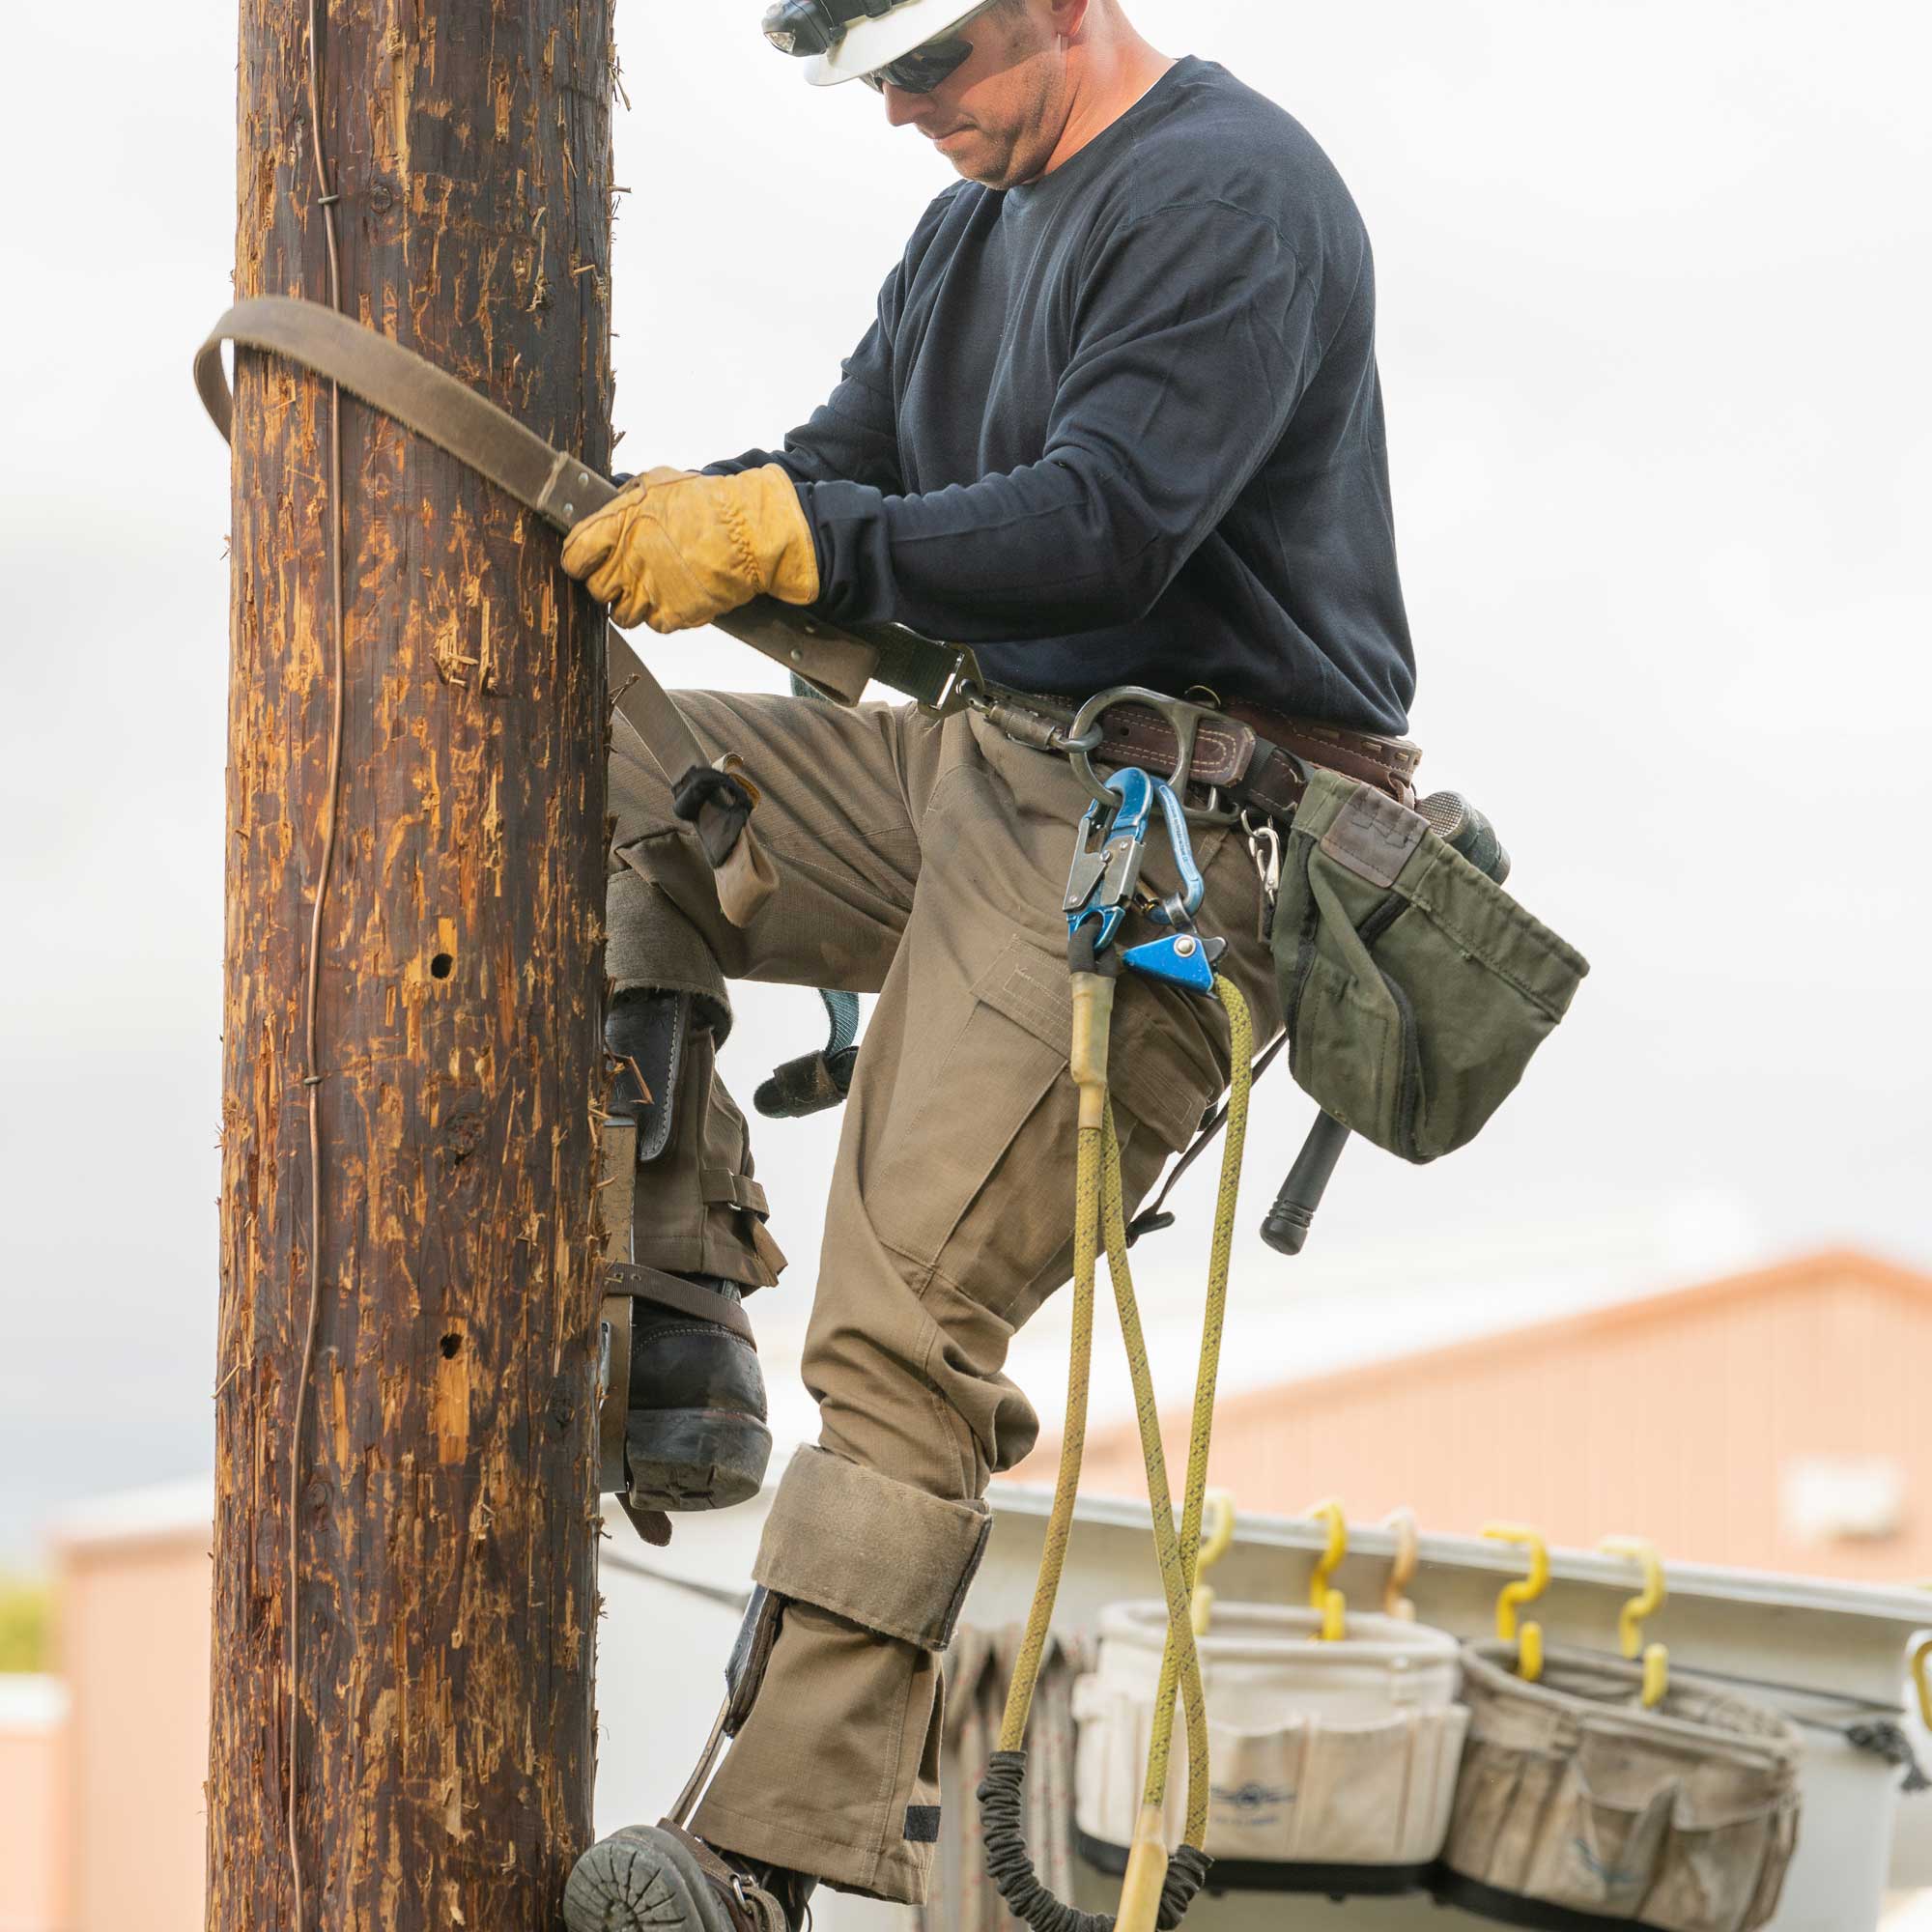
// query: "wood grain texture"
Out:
[447,1604]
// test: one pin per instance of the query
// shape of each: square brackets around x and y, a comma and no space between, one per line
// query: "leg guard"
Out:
[836,1767]
[615,1331]
[683,1413]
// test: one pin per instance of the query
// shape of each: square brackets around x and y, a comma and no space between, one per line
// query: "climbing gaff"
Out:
[1631,1618]
[1528,1640]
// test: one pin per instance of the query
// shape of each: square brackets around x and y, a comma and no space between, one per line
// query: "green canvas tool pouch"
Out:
[1414,987]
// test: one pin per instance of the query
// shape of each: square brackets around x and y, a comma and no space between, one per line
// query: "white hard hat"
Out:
[849,38]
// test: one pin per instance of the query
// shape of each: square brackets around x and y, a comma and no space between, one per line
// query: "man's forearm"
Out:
[1059,547]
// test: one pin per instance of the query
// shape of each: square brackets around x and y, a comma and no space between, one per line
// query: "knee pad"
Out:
[872,1549]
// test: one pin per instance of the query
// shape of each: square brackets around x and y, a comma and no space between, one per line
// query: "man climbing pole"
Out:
[1118,423]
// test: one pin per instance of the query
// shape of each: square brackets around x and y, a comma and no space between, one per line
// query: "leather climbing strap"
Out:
[681,1297]
[616,1191]
[561,488]
[473,429]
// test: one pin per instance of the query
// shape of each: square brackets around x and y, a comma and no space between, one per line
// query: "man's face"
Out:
[998,117]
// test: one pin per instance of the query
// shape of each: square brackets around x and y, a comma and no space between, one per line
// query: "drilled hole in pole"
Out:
[441,966]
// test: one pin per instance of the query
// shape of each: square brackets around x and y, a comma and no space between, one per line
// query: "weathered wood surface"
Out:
[447,1606]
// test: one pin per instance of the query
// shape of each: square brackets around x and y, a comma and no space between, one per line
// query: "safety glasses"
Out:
[927,66]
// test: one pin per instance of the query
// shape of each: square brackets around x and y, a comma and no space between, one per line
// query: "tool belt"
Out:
[1242,757]
[1413,988]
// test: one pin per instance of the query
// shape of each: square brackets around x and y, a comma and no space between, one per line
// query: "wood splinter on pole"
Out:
[429,1676]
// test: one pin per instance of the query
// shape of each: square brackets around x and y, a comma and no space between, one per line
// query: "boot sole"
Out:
[641,1880]
[684,1459]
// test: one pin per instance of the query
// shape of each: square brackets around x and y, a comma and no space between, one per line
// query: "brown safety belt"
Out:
[838,660]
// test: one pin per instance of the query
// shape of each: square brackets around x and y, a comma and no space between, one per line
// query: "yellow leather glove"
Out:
[674,550]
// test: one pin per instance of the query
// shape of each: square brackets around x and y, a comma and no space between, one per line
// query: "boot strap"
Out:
[682,1297]
[750,1907]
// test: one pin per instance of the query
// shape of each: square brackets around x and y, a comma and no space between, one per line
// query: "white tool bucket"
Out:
[1579,1807]
[1334,1764]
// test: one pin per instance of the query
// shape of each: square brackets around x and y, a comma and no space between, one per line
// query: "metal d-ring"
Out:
[1083,737]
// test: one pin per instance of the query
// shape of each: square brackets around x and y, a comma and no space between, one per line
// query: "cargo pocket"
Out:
[987,1088]
[977,1181]
[1168,1063]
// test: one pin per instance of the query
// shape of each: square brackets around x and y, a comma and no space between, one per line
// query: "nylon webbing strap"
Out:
[839,660]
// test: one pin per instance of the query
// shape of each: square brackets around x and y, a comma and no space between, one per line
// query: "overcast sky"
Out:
[1654,301]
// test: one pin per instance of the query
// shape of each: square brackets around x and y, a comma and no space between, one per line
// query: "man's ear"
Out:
[1067,16]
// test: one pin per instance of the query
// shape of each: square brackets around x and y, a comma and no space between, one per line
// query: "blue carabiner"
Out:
[1178,909]
[1183,958]
[1107,862]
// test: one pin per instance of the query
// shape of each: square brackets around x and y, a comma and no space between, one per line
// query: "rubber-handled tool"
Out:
[1287,1221]
[1286,1229]
[1453,817]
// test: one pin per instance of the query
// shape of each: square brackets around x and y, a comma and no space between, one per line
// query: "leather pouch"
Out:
[1416,988]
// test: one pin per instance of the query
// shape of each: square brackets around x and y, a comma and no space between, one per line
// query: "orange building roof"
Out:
[1773,1419]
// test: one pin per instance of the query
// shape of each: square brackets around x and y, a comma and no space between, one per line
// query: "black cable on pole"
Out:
[327,201]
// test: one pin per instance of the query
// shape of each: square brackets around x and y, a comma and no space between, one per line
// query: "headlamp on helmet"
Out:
[806,27]
[913,44]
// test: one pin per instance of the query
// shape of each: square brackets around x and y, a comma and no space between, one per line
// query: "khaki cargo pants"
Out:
[924,861]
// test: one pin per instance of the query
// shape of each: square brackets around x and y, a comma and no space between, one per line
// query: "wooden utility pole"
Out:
[442,1616]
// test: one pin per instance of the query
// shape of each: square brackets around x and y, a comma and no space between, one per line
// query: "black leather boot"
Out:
[696,1433]
[695,1436]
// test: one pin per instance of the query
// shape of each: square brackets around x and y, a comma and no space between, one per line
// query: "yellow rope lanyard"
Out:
[1155,1891]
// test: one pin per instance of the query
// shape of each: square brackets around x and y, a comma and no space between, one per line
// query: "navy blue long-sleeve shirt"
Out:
[1124,424]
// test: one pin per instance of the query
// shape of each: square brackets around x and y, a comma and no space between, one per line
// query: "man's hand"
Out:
[674,550]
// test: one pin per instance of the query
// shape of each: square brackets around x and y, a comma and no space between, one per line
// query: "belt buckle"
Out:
[961,683]
[1084,739]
